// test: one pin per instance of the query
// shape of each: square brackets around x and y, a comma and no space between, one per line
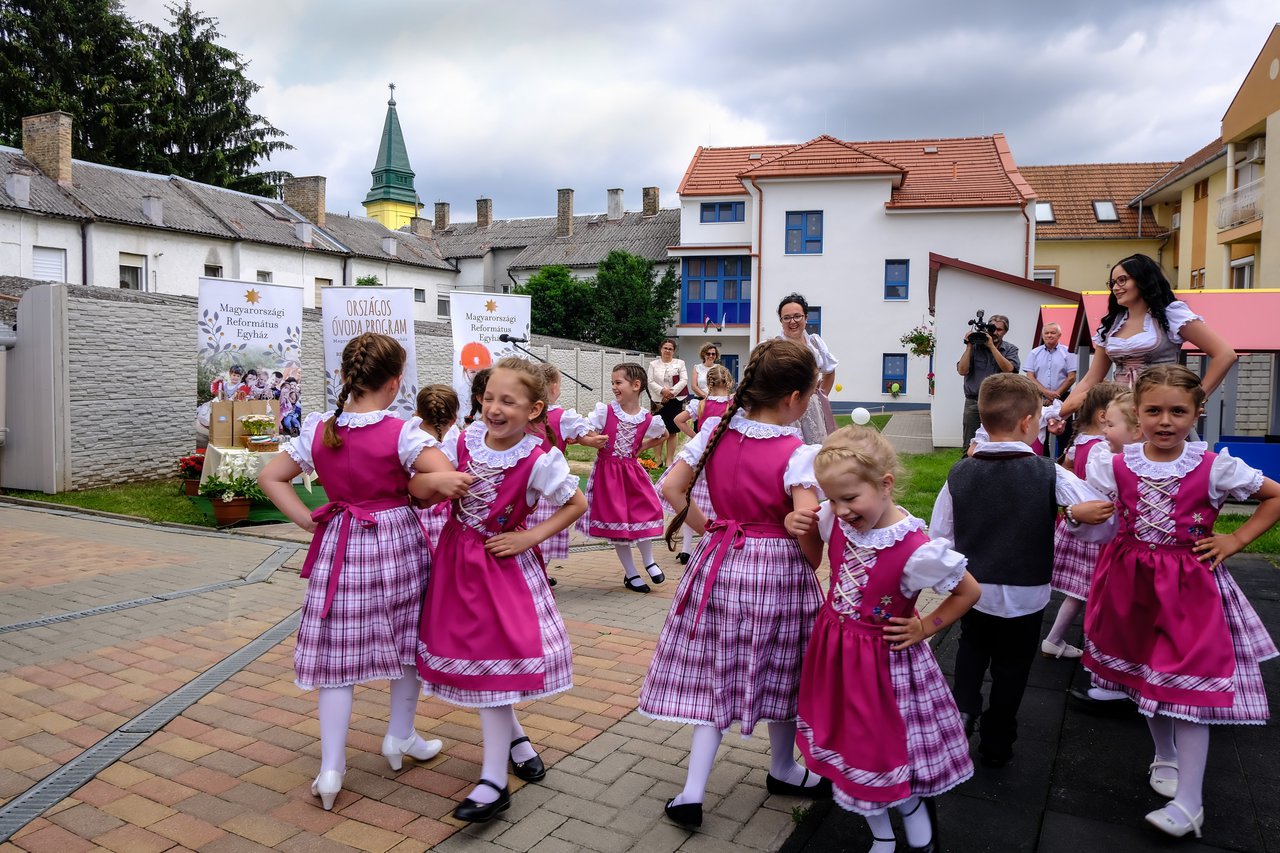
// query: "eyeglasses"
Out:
[793,318]
[1113,283]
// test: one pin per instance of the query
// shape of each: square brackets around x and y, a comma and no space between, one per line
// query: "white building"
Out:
[850,226]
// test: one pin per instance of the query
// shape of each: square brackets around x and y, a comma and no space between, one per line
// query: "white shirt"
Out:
[934,564]
[1008,601]
[1229,477]
[599,415]
[413,440]
[799,467]
[1177,312]
[1050,367]
[826,361]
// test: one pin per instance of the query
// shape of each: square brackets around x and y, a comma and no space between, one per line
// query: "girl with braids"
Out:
[561,426]
[876,715]
[623,505]
[491,635]
[438,415]
[719,386]
[733,642]
[368,560]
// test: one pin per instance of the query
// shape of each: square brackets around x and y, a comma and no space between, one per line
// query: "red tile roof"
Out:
[1204,156]
[1073,189]
[963,172]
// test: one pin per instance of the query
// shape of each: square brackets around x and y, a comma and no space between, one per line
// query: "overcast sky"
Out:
[511,100]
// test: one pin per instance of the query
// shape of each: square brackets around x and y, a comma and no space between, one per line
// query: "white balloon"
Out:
[861,416]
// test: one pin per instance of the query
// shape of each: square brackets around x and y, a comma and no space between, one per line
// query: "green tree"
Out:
[561,305]
[632,307]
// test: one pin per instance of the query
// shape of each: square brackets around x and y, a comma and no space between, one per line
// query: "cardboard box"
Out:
[249,407]
[221,423]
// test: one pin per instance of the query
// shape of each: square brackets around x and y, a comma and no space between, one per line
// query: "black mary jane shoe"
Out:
[473,812]
[655,573]
[685,814]
[683,558]
[820,791]
[532,770]
[635,583]
[931,809]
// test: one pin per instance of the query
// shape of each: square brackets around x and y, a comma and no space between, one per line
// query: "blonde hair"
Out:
[550,373]
[369,361]
[530,376]
[1006,398]
[1125,404]
[1169,376]
[1096,400]
[438,407]
[868,452]
[718,376]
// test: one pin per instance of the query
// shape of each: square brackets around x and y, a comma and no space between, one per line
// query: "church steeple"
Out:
[392,199]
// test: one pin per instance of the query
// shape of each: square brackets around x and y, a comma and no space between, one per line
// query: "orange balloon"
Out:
[475,356]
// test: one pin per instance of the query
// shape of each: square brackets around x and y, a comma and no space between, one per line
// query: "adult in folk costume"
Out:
[818,421]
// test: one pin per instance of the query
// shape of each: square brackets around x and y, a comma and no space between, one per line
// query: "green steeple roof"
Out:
[392,175]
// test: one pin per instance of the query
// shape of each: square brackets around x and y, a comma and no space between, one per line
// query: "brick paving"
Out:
[233,772]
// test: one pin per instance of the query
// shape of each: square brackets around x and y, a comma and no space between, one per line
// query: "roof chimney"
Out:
[615,204]
[389,245]
[18,188]
[650,201]
[420,226]
[442,216]
[564,213]
[306,195]
[46,142]
[153,209]
[484,212]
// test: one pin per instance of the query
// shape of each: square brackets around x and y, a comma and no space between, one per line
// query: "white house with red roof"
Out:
[851,226]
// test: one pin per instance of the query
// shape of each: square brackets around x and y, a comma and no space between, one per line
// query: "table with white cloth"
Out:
[258,459]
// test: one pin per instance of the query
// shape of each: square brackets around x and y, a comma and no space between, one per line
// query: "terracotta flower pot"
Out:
[191,486]
[227,513]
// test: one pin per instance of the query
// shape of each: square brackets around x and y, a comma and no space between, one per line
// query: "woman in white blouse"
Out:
[668,386]
[818,421]
[710,354]
[1145,326]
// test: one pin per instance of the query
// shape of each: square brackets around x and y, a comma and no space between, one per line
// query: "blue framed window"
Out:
[716,289]
[723,211]
[804,232]
[893,369]
[897,279]
[813,322]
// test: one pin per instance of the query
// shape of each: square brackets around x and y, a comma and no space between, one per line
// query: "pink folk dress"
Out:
[621,502]
[1073,558]
[562,424]
[433,517]
[701,412]
[1180,639]
[368,561]
[732,645]
[880,724]
[491,634]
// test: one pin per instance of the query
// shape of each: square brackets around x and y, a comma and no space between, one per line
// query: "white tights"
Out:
[623,550]
[702,755]
[915,820]
[1188,744]
[335,717]
[1067,613]
[499,727]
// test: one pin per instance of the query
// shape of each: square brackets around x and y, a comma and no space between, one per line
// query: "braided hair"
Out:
[438,408]
[777,368]
[633,372]
[1152,286]
[869,452]
[369,361]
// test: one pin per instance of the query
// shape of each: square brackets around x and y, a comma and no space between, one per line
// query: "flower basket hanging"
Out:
[919,341]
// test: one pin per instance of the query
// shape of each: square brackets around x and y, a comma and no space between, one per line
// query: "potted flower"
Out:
[231,489]
[919,341]
[189,469]
[649,464]
[258,432]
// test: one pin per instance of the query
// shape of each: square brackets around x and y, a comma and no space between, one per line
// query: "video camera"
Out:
[982,330]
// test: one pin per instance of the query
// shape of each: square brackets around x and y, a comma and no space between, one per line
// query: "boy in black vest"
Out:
[999,508]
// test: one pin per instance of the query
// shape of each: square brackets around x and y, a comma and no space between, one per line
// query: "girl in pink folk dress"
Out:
[368,561]
[876,714]
[731,647]
[719,384]
[623,505]
[562,426]
[1073,558]
[491,634]
[438,414]
[1165,621]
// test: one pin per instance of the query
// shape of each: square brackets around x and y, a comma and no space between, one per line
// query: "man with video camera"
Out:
[985,354]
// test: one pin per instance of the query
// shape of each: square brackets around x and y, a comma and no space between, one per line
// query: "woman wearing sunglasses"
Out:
[1145,326]
[710,354]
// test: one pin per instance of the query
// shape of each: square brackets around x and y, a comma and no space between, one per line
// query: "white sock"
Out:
[915,821]
[524,751]
[495,727]
[881,829]
[404,703]
[702,754]
[646,551]
[1193,753]
[686,539]
[782,757]
[623,550]
[335,720]
[1066,615]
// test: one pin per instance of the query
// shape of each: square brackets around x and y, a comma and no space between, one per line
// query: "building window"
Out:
[716,291]
[419,295]
[264,276]
[1105,211]
[723,211]
[212,271]
[896,279]
[1197,278]
[894,369]
[131,271]
[804,232]
[1242,273]
[1049,278]
[442,306]
[1044,212]
[1201,190]
[48,263]
[813,325]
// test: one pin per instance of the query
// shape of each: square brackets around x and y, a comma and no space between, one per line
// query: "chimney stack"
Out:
[46,142]
[564,213]
[650,201]
[615,204]
[484,212]
[420,226]
[153,209]
[442,216]
[306,195]
[303,231]
[18,188]
[389,245]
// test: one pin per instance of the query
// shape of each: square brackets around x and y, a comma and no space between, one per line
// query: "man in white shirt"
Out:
[1053,370]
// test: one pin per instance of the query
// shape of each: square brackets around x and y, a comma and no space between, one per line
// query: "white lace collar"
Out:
[1138,463]
[486,455]
[624,417]
[359,419]
[879,538]
[758,429]
[554,406]
[1082,437]
[718,399]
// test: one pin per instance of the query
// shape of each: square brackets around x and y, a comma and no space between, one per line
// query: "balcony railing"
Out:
[1241,205]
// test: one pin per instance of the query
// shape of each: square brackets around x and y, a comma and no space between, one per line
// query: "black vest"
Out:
[1005,507]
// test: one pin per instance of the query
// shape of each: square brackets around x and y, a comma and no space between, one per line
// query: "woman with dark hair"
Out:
[818,421]
[1146,325]
[668,387]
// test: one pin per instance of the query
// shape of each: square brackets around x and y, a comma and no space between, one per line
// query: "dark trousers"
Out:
[970,421]
[1007,647]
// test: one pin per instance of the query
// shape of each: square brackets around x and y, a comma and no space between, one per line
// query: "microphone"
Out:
[512,339]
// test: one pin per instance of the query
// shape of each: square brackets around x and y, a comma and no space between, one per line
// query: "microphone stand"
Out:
[544,361]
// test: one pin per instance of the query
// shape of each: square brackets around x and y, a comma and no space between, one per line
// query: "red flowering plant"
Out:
[191,467]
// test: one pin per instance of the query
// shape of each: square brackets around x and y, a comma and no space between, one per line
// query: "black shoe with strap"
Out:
[931,809]
[473,812]
[532,770]
[655,573]
[820,791]
[635,583]
[685,814]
